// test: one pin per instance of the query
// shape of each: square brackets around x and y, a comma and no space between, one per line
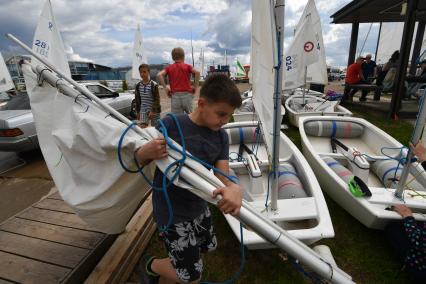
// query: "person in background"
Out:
[408,237]
[354,76]
[369,69]
[190,233]
[179,75]
[391,66]
[415,82]
[147,99]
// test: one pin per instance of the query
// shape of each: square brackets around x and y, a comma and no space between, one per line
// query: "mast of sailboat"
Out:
[192,51]
[278,56]
[304,84]
[226,58]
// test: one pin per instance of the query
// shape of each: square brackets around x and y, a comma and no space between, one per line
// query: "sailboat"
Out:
[266,156]
[305,62]
[6,82]
[138,57]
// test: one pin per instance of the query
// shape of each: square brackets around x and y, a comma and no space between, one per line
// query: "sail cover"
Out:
[48,41]
[263,44]
[306,49]
[139,56]
[6,82]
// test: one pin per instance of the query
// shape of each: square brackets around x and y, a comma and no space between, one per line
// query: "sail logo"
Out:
[3,81]
[50,26]
[139,56]
[308,46]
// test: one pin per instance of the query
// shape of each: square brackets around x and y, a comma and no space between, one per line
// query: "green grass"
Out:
[361,252]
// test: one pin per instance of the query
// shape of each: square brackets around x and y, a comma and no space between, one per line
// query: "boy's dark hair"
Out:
[220,88]
[178,53]
[143,65]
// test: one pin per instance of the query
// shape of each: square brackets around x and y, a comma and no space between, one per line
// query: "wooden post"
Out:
[353,44]
[410,21]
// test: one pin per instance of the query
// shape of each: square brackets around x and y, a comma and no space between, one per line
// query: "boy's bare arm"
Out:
[196,78]
[232,194]
[160,78]
[153,150]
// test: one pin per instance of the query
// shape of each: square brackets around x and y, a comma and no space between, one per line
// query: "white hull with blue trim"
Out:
[373,155]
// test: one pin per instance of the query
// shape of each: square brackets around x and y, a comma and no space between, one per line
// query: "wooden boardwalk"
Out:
[49,243]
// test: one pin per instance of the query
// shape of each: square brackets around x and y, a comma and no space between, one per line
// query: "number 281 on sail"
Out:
[42,47]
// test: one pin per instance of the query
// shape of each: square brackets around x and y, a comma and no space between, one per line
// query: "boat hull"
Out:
[294,115]
[305,218]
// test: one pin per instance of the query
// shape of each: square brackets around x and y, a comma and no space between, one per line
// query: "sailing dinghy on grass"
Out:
[278,181]
[305,62]
[339,148]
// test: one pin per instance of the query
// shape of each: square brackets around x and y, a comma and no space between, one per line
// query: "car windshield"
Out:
[16,101]
[100,91]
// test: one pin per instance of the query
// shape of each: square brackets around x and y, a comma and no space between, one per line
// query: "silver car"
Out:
[17,128]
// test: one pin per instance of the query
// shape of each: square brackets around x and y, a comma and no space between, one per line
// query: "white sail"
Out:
[390,41]
[139,56]
[48,41]
[6,82]
[77,138]
[307,49]
[262,69]
[201,59]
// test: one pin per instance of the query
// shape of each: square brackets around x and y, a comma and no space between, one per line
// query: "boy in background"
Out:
[179,74]
[191,232]
[147,99]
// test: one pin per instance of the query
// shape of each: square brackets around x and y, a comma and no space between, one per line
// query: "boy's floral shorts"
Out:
[186,241]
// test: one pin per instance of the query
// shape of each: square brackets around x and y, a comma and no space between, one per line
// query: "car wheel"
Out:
[132,113]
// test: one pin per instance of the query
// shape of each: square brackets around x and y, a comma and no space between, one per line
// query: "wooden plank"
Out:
[23,270]
[55,195]
[86,265]
[41,250]
[118,253]
[126,269]
[2,281]
[54,217]
[59,234]
[55,205]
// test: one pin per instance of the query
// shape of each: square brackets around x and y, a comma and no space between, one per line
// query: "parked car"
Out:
[17,128]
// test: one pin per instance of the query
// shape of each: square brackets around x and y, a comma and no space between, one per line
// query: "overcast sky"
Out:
[103,31]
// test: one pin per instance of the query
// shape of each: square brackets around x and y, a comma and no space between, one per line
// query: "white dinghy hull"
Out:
[315,106]
[304,216]
[372,211]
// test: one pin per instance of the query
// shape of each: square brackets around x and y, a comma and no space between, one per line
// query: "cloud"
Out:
[103,31]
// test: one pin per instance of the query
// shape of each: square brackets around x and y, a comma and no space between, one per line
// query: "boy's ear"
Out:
[201,103]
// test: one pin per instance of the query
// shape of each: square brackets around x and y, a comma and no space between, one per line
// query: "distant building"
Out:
[80,71]
[222,69]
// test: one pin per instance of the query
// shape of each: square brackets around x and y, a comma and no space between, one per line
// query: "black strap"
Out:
[338,143]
